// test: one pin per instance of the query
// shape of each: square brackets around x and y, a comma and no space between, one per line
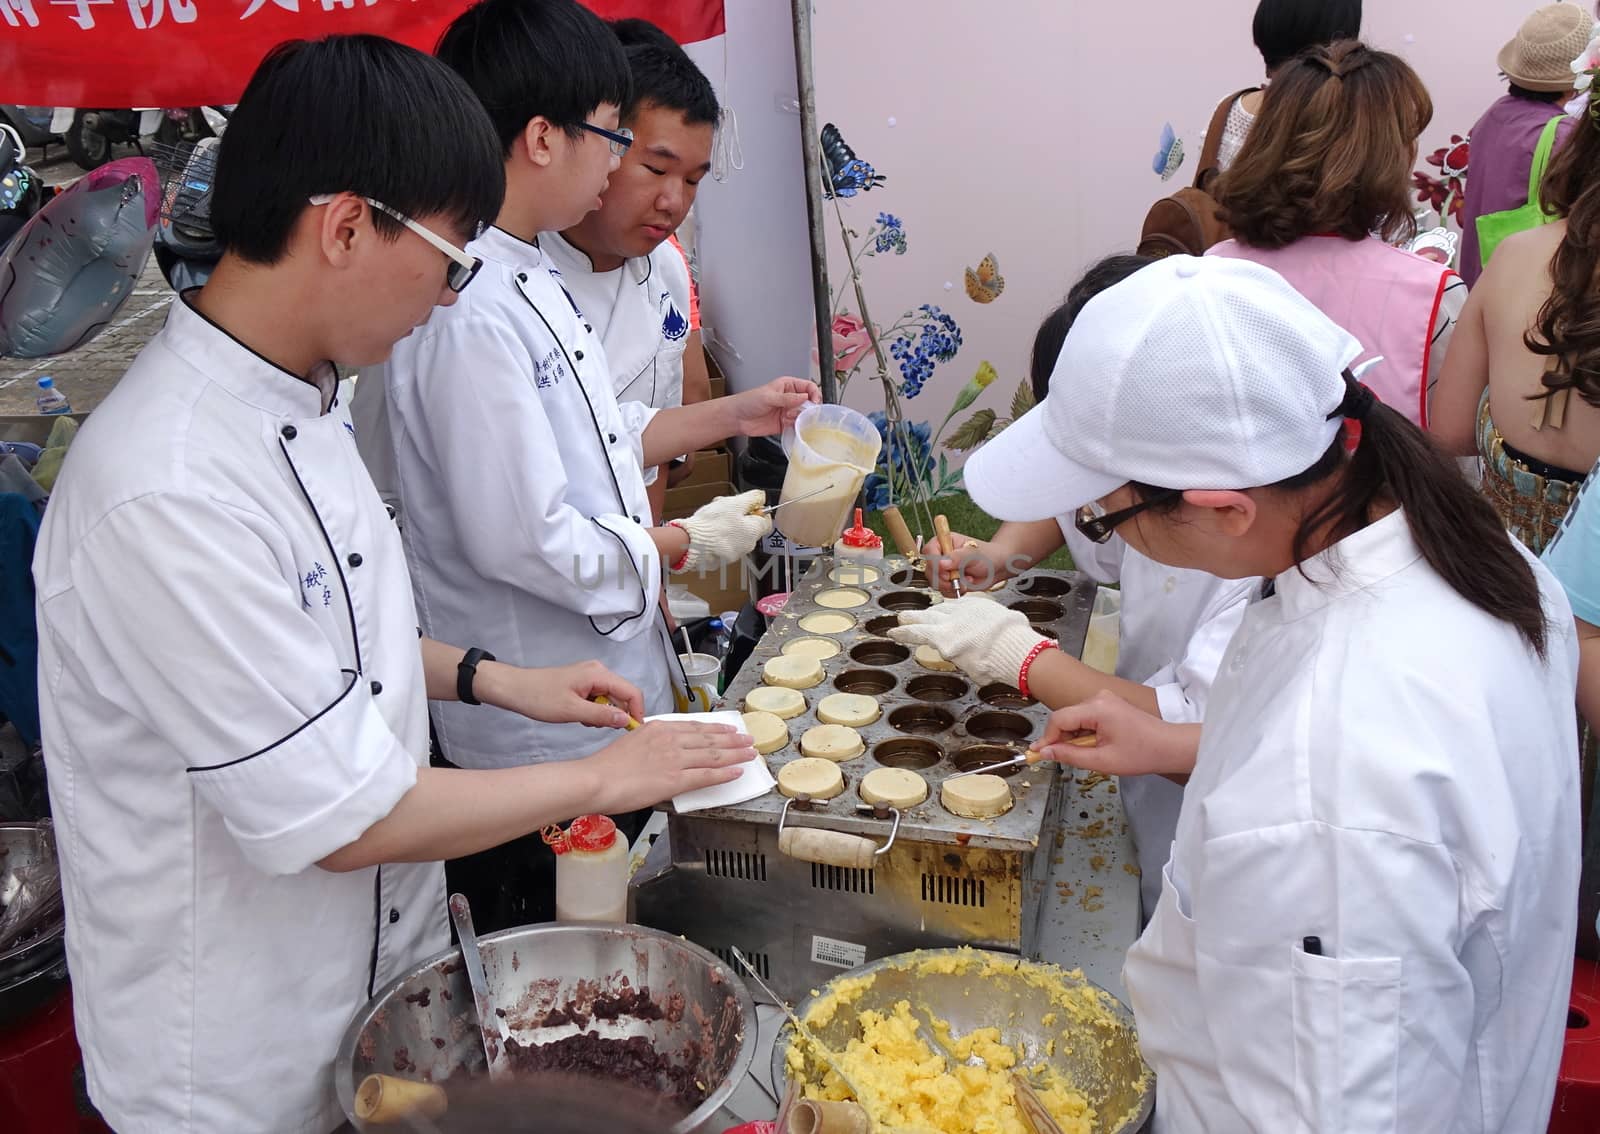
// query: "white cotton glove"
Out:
[724,530]
[987,641]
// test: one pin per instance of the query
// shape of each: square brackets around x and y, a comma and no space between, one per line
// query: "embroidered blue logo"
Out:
[548,369]
[673,325]
[313,581]
[350,429]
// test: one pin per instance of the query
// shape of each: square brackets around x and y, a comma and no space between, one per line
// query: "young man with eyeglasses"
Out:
[618,263]
[518,475]
[233,687]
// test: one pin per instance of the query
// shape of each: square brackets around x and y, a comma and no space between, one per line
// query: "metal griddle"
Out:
[721,881]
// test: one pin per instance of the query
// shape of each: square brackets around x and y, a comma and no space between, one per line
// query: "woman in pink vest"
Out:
[1320,193]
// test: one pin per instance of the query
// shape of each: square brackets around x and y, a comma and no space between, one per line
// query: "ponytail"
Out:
[1455,528]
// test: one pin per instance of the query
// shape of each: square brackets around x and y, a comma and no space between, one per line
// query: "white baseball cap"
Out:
[1193,373]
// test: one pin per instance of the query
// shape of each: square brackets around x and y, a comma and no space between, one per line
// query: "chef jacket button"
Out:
[523,276]
[290,433]
[377,687]
[611,437]
[635,519]
[578,354]
[588,328]
[394,916]
[355,559]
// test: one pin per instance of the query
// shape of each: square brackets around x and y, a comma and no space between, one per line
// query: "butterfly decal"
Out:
[985,283]
[847,174]
[1169,156]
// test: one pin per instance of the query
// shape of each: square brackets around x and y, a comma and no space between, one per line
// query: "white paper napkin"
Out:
[755,778]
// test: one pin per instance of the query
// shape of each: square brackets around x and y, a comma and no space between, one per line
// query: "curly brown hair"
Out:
[1567,328]
[1331,150]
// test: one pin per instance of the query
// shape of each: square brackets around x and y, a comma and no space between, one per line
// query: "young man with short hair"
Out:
[233,690]
[618,261]
[521,490]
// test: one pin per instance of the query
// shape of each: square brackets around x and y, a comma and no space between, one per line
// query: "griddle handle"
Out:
[828,848]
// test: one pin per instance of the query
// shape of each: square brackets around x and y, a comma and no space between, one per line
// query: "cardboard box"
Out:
[687,497]
[711,466]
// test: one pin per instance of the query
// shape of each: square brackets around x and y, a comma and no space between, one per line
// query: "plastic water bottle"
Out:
[51,400]
[721,640]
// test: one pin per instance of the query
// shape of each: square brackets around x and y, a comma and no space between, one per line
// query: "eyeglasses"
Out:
[1099,525]
[462,266]
[620,139]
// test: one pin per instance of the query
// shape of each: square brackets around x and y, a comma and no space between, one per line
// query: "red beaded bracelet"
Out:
[1027,663]
[684,558]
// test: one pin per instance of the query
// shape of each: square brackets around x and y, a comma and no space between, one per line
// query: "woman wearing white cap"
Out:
[1366,923]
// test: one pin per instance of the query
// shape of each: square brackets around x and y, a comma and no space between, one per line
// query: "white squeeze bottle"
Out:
[51,400]
[591,870]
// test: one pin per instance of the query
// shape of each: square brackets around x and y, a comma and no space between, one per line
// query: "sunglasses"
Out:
[620,139]
[462,266]
[1099,525]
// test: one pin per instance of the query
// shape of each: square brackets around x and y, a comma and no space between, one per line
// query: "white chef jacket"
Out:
[231,690]
[640,311]
[1175,625]
[521,488]
[1388,768]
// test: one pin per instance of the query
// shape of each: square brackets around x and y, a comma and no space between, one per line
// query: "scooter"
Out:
[91,135]
[22,191]
[186,245]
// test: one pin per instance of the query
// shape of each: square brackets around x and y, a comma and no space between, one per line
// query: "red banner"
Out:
[125,53]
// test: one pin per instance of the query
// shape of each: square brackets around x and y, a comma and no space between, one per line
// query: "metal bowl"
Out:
[1100,1058]
[22,846]
[422,1026]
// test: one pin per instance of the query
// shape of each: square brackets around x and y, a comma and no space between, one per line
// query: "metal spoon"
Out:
[491,1025]
[1082,738]
[806,1033]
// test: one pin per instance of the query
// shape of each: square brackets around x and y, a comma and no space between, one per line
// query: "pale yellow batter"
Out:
[820,779]
[842,598]
[784,704]
[831,742]
[769,732]
[820,648]
[792,672]
[826,622]
[854,709]
[852,572]
[898,787]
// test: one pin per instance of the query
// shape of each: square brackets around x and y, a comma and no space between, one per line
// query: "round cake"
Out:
[768,731]
[930,658]
[831,742]
[785,704]
[854,709]
[897,787]
[976,797]
[819,779]
[819,648]
[792,672]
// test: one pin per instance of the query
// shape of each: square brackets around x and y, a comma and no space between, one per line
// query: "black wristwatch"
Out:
[466,670]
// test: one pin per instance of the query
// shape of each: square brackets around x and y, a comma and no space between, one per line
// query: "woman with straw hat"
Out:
[1536,64]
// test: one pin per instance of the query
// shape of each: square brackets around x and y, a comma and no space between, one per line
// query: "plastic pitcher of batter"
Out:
[831,450]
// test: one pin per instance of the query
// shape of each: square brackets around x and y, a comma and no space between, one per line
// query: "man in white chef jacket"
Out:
[522,490]
[630,280]
[233,686]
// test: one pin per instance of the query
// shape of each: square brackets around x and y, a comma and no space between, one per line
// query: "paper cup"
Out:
[702,671]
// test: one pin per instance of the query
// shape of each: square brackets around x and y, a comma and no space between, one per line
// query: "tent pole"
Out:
[810,149]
